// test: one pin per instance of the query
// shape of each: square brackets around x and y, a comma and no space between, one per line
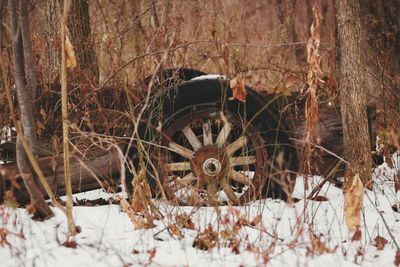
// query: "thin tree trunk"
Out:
[382,29]
[79,26]
[64,95]
[24,97]
[285,54]
[52,39]
[352,66]
[27,44]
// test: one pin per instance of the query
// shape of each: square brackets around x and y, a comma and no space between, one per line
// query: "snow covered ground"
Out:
[265,232]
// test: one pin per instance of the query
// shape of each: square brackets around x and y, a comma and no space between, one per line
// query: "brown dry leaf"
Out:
[30,209]
[320,198]
[357,235]
[141,196]
[3,237]
[152,253]
[313,81]
[238,89]
[318,247]
[380,242]
[353,203]
[174,230]
[256,220]
[397,183]
[135,251]
[293,200]
[139,221]
[206,240]
[397,258]
[396,207]
[70,244]
[69,50]
[185,221]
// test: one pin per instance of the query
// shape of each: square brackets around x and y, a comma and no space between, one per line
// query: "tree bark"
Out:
[80,31]
[28,52]
[79,26]
[382,29]
[351,68]
[25,102]
[285,54]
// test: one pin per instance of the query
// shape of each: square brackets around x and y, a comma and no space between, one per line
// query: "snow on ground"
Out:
[287,235]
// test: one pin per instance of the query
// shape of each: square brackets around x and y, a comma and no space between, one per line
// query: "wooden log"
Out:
[97,168]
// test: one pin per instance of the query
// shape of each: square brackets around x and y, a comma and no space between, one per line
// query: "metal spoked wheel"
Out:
[212,158]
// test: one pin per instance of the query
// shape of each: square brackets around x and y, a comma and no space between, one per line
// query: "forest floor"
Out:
[264,232]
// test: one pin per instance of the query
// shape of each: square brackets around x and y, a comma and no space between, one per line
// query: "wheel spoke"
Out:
[184,182]
[183,151]
[245,160]
[178,166]
[239,177]
[229,191]
[207,134]
[232,148]
[223,135]
[192,138]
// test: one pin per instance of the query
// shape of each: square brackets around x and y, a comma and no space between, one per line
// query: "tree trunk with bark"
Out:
[353,102]
[79,27]
[286,53]
[80,32]
[382,29]
[25,101]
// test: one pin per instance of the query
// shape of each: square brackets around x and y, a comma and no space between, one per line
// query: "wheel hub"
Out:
[209,163]
[211,166]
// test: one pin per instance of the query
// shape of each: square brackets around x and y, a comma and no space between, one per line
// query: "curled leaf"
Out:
[380,242]
[353,203]
[238,89]
[69,50]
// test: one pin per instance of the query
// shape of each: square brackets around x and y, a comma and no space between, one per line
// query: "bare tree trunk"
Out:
[352,66]
[285,54]
[27,44]
[382,28]
[64,100]
[79,27]
[24,97]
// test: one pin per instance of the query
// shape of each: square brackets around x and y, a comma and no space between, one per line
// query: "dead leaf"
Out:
[69,50]
[70,244]
[357,235]
[185,221]
[293,200]
[135,251]
[174,230]
[238,90]
[152,253]
[396,207]
[380,242]
[320,198]
[397,183]
[318,247]
[353,203]
[206,240]
[30,208]
[397,258]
